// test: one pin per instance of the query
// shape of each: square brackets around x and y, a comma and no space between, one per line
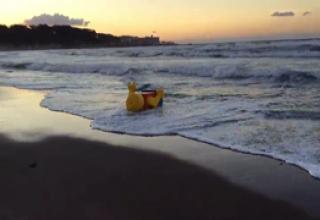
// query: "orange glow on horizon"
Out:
[178,20]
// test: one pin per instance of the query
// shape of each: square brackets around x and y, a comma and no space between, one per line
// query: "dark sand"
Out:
[69,178]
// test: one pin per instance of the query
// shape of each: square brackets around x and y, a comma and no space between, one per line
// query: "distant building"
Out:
[151,40]
[139,41]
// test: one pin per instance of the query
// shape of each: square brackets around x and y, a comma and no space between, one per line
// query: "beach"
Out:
[253,97]
[54,166]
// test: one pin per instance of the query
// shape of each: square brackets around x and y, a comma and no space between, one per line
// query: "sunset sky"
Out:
[180,20]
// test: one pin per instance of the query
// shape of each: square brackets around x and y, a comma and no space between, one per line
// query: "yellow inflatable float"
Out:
[147,99]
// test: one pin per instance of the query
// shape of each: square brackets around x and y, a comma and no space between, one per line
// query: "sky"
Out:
[180,20]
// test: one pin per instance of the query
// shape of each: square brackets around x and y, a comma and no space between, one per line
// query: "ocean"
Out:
[256,97]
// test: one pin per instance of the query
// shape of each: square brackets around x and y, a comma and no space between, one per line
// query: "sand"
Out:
[68,178]
[52,169]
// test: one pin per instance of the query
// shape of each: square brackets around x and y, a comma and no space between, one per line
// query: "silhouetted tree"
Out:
[4,34]
[20,36]
[42,34]
[108,40]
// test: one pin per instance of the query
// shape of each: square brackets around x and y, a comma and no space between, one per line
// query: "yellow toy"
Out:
[148,99]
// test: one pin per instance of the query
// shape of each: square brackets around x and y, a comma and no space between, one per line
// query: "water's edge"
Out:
[198,139]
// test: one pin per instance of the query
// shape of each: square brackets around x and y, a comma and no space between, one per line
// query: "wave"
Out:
[293,114]
[315,48]
[240,71]
[308,48]
[295,76]
[19,66]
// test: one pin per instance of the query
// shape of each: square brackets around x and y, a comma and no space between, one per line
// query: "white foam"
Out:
[294,141]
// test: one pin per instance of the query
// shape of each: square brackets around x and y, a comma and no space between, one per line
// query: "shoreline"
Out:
[213,144]
[255,154]
[287,182]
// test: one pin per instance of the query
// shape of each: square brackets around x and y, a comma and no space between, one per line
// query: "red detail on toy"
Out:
[146,95]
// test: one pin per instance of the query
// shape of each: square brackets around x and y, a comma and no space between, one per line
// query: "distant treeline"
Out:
[44,36]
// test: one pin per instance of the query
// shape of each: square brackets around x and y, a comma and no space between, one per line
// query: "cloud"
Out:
[56,19]
[306,13]
[283,14]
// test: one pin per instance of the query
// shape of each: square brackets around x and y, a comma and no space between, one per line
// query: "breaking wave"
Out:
[216,70]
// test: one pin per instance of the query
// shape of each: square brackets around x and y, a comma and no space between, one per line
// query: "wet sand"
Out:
[55,167]
[68,178]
